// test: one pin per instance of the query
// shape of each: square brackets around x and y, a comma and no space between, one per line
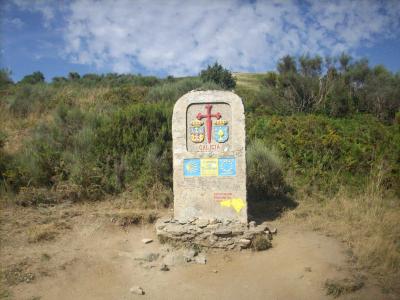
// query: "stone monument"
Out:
[209,162]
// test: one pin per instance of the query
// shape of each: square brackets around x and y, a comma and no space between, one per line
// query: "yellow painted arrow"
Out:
[236,203]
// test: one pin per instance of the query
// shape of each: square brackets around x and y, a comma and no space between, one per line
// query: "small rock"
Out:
[182,222]
[223,232]
[164,267]
[252,224]
[202,223]
[274,231]
[263,226]
[215,271]
[137,290]
[189,254]
[227,222]
[160,226]
[214,221]
[307,269]
[192,220]
[244,242]
[146,241]
[201,259]
[237,232]
[213,226]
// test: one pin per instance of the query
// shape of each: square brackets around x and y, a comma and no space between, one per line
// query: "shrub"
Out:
[35,77]
[125,94]
[260,243]
[5,78]
[126,139]
[29,99]
[327,152]
[170,91]
[264,173]
[218,75]
[4,160]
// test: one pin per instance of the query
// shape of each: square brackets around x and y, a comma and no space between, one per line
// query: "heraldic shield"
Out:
[197,132]
[221,133]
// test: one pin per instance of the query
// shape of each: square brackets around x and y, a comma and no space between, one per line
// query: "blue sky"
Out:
[182,37]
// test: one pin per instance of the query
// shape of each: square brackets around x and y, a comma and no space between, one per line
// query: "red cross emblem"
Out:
[208,117]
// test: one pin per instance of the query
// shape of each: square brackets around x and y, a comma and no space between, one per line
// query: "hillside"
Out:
[321,152]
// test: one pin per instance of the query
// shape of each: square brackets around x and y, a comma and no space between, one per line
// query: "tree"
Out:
[35,77]
[287,64]
[219,75]
[310,67]
[5,78]
[344,61]
[73,76]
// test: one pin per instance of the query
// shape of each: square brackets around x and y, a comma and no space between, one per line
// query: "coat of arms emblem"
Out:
[197,131]
[221,131]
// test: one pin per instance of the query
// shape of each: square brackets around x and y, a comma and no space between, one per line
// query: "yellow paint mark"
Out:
[236,203]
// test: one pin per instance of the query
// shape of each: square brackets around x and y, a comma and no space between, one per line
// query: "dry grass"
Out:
[369,223]
[250,81]
[42,232]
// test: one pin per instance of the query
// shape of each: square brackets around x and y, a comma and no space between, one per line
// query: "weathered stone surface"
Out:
[209,157]
[221,235]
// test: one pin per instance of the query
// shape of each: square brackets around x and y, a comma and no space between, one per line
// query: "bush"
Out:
[29,99]
[326,152]
[126,94]
[5,78]
[264,173]
[35,77]
[260,243]
[218,75]
[4,160]
[125,141]
[170,91]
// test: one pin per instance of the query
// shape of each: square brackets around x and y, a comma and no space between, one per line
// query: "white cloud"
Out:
[182,37]
[15,22]
[45,7]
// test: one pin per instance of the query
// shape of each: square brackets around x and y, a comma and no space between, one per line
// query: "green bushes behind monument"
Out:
[105,134]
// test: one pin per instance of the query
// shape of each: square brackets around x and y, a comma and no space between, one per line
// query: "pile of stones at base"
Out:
[227,234]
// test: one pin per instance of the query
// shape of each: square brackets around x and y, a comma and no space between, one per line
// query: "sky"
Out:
[180,38]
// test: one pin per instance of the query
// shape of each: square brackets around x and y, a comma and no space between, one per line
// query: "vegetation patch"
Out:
[126,218]
[42,232]
[18,273]
[260,243]
[337,288]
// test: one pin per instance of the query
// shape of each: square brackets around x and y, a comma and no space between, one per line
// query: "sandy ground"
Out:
[93,258]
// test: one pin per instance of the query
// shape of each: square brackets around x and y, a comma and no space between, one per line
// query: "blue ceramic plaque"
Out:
[227,166]
[191,167]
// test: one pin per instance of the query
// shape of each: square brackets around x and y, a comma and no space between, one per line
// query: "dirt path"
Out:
[96,260]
